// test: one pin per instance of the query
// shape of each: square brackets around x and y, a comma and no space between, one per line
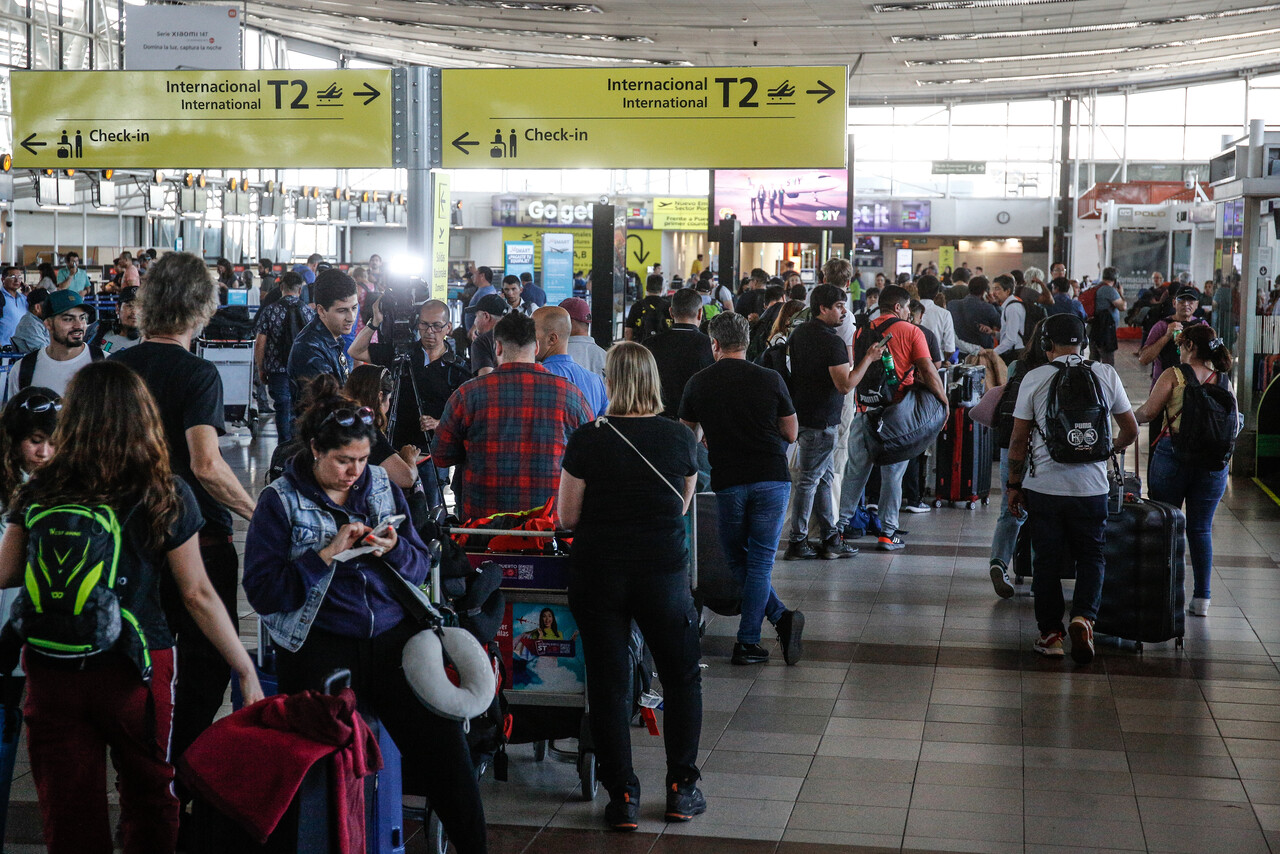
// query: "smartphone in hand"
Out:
[383,529]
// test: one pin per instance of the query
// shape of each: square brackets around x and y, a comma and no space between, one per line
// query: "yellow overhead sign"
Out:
[679,118]
[201,119]
[680,214]
[440,239]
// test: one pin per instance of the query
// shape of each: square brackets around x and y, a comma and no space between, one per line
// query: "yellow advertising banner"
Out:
[680,214]
[644,249]
[946,259]
[440,237]
[654,118]
[201,119]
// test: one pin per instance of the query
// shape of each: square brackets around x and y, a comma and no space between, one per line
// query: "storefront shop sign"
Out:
[202,119]
[644,118]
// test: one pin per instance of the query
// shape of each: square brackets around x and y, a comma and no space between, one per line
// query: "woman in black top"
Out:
[371,386]
[626,483]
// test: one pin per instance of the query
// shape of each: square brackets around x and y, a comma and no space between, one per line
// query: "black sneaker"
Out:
[834,548]
[891,542]
[623,813]
[790,627]
[799,550]
[749,653]
[684,802]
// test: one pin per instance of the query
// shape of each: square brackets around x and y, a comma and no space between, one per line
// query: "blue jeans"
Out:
[815,450]
[1173,482]
[751,517]
[1066,524]
[1006,535]
[282,399]
[858,470]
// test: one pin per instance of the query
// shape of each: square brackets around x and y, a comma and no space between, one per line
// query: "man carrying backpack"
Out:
[650,315]
[1013,319]
[882,384]
[67,318]
[1062,425]
[278,324]
[1160,347]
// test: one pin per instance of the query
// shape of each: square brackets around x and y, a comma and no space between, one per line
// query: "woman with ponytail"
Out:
[1176,475]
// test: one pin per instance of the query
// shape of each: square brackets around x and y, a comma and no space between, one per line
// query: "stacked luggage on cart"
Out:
[964,449]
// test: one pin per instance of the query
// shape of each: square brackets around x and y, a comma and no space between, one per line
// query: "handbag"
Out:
[985,412]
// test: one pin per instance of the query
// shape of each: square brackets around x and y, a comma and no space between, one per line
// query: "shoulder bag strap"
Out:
[604,422]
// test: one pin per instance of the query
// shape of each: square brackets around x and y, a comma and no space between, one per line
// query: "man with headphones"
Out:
[1065,501]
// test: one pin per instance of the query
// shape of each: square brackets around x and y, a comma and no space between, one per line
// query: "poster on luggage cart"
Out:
[541,650]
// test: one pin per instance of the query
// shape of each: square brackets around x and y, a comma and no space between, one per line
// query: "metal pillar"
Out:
[608,272]
[415,141]
[1065,213]
[730,252]
[1251,280]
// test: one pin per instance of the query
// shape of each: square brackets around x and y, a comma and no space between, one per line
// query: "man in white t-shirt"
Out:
[67,318]
[1065,503]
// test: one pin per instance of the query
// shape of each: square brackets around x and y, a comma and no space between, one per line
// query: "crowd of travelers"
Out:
[773,398]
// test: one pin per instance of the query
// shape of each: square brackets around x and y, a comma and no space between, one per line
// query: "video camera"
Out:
[399,305]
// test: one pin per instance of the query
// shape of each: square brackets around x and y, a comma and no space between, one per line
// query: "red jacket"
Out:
[250,764]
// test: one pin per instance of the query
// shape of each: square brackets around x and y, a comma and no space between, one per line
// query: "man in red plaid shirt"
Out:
[507,430]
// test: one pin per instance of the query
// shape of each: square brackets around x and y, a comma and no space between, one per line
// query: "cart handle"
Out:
[503,532]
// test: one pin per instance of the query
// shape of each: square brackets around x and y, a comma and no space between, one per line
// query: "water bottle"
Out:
[891,373]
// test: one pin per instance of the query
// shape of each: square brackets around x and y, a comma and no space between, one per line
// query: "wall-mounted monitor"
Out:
[782,204]
[892,216]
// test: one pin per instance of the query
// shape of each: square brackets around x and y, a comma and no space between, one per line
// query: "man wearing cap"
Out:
[478,338]
[1160,350]
[583,349]
[31,333]
[67,318]
[318,347]
[125,333]
[1065,503]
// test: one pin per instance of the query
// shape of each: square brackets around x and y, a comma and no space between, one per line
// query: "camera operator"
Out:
[429,373]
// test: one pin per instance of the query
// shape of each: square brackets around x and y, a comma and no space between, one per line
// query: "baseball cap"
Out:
[60,302]
[1187,293]
[128,294]
[490,304]
[578,309]
[1067,329]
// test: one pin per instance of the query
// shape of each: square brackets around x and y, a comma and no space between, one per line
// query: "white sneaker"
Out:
[917,508]
[1199,607]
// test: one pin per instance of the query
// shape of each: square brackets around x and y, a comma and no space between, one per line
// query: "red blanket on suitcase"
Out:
[250,764]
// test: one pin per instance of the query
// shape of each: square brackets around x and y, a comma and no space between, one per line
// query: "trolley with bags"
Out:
[234,361]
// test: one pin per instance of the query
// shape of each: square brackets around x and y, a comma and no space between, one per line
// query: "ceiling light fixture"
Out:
[1088,28]
[1076,54]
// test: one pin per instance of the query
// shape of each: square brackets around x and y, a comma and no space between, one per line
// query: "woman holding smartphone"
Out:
[324,613]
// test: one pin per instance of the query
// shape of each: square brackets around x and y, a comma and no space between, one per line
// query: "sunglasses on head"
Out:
[347,417]
[40,403]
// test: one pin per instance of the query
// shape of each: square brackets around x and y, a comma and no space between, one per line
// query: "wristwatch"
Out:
[1017,485]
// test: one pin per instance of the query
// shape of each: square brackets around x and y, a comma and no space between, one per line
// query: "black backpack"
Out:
[777,357]
[293,324]
[1206,436]
[1102,332]
[1033,313]
[1077,425]
[875,391]
[653,318]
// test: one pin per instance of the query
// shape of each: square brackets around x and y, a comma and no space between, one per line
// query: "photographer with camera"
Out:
[427,374]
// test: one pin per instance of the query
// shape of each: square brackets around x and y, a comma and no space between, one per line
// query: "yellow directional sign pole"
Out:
[202,119]
[655,118]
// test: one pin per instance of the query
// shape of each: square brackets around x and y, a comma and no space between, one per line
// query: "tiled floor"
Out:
[921,720]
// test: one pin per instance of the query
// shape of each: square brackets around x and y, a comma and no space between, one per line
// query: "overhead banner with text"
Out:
[645,118]
[440,239]
[201,119]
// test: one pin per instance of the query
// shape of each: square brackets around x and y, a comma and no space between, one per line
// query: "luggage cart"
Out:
[534,584]
[234,360]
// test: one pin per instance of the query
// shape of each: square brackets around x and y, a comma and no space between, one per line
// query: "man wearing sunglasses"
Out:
[434,373]
[67,318]
[14,305]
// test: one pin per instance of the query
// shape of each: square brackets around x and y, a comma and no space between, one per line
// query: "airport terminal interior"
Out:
[994,135]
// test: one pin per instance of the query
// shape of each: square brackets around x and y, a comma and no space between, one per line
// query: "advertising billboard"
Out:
[783,198]
[892,216]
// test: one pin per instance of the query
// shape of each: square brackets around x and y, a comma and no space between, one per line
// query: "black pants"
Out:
[436,758]
[604,600]
[203,675]
[913,482]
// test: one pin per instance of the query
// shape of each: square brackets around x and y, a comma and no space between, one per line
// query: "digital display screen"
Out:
[892,216]
[783,198]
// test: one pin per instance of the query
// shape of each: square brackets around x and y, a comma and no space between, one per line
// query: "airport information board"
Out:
[654,118]
[202,119]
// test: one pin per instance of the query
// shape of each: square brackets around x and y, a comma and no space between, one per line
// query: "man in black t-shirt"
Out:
[179,298]
[747,417]
[820,378]
[648,316]
[680,351]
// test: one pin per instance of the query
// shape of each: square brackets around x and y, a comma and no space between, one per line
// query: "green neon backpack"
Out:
[68,608]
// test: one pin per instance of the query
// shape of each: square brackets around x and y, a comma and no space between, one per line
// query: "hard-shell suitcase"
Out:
[1021,568]
[1143,598]
[964,461]
[965,384]
[714,584]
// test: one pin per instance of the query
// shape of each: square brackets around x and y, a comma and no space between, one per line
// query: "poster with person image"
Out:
[541,649]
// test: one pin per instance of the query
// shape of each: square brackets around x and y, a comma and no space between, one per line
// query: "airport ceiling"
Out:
[916,51]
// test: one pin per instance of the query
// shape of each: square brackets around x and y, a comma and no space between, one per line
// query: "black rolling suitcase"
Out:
[1143,599]
[964,452]
[714,584]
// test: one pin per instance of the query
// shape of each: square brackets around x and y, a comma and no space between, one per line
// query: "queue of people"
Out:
[511,411]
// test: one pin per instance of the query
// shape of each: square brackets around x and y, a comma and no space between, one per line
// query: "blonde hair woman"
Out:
[626,483]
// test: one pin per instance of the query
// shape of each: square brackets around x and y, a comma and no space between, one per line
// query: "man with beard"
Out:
[67,318]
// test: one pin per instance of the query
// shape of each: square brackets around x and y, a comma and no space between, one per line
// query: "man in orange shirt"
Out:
[911,364]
